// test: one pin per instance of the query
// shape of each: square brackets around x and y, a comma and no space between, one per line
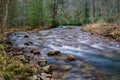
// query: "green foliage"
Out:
[36,13]
[75,22]
[59,12]
[84,20]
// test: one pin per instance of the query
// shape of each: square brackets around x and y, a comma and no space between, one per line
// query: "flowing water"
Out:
[90,50]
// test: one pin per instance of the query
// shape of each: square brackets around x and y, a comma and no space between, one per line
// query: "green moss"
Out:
[6,77]
[12,68]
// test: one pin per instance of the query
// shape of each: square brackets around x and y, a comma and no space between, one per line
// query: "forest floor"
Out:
[110,30]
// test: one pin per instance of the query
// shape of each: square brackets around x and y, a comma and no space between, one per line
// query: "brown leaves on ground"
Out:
[111,30]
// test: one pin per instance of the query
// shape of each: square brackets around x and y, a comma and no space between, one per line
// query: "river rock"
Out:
[40,38]
[66,67]
[46,69]
[42,63]
[54,53]
[28,43]
[26,36]
[35,51]
[44,75]
[36,77]
[70,57]
[23,59]
[28,57]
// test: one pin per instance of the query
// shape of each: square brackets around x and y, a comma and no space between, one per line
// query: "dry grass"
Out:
[27,28]
[111,30]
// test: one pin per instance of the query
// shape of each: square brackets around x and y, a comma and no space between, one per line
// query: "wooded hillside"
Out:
[59,12]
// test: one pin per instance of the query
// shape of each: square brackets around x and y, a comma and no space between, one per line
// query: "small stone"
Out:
[35,77]
[46,75]
[90,68]
[35,51]
[69,27]
[28,43]
[66,67]
[26,36]
[40,38]
[28,57]
[46,69]
[22,58]
[70,58]
[42,63]
[54,53]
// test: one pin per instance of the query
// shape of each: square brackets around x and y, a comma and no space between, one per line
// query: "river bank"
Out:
[110,30]
[13,64]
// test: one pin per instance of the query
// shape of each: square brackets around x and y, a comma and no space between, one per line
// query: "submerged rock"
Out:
[66,67]
[54,53]
[70,57]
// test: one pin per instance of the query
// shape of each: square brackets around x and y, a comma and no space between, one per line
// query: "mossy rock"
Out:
[54,53]
[70,58]
[46,69]
[42,63]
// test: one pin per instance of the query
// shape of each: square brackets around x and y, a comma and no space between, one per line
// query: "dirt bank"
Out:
[111,30]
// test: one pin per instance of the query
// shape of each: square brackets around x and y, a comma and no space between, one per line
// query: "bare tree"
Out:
[4,25]
[54,12]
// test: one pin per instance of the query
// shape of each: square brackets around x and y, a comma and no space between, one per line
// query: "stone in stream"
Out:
[70,57]
[40,38]
[54,53]
[62,67]
[66,67]
[28,43]
[35,51]
[26,36]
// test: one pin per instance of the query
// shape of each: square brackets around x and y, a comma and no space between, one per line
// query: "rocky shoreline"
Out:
[43,70]
[64,53]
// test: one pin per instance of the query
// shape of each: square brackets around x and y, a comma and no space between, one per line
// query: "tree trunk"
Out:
[54,13]
[4,25]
